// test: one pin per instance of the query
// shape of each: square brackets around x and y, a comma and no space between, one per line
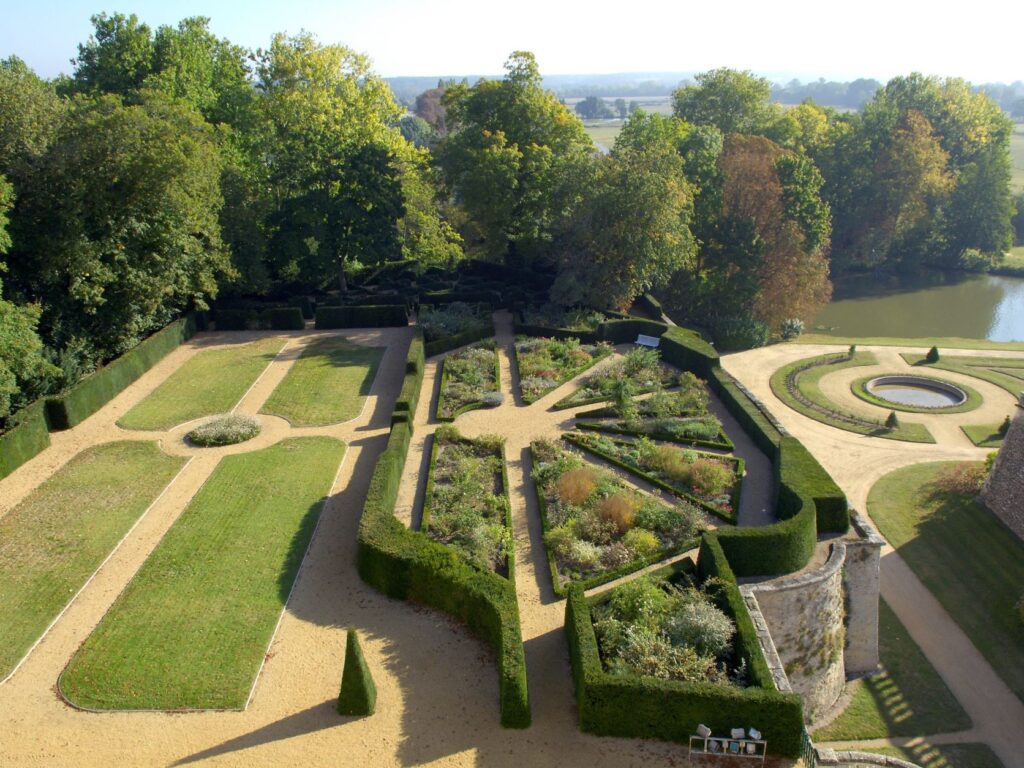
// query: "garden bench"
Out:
[647,341]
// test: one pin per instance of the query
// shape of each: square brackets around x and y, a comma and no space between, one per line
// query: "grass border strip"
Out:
[859,389]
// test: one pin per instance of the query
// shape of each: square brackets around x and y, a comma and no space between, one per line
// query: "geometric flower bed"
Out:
[641,370]
[469,380]
[596,527]
[546,364]
[710,480]
[466,504]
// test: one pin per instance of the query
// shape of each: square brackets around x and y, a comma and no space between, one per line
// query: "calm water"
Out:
[975,307]
[920,397]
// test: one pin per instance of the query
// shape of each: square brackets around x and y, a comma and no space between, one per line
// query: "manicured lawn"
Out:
[191,629]
[51,543]
[209,382]
[327,385]
[820,408]
[894,341]
[983,435]
[908,698]
[945,756]
[971,562]
[1003,372]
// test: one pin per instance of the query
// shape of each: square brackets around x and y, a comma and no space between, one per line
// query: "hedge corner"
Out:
[358,693]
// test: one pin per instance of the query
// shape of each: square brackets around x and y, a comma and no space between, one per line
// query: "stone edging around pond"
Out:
[972,401]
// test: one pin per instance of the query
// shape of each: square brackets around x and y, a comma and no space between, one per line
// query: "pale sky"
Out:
[980,41]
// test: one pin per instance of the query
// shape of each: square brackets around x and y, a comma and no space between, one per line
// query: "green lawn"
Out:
[51,543]
[971,562]
[951,342]
[908,698]
[328,384]
[808,384]
[191,629]
[945,755]
[209,382]
[1003,372]
[983,435]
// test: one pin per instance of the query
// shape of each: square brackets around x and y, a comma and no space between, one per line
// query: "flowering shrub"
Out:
[228,429]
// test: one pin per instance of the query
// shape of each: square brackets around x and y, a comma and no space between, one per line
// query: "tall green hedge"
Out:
[446,343]
[750,417]
[407,565]
[282,319]
[415,361]
[25,439]
[99,388]
[358,692]
[370,316]
[646,707]
[622,331]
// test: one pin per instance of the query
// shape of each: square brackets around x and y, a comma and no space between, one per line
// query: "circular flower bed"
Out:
[225,430]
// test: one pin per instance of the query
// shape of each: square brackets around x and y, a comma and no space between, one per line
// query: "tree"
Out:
[417,131]
[23,367]
[511,146]
[593,108]
[621,109]
[118,231]
[733,102]
[117,57]
[633,106]
[631,232]
[430,107]
[31,113]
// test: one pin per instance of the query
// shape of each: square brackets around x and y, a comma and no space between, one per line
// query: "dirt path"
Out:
[857,462]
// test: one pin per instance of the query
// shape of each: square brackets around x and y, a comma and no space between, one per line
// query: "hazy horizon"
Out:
[449,38]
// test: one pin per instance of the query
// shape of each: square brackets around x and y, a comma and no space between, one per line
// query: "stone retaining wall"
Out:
[1004,490]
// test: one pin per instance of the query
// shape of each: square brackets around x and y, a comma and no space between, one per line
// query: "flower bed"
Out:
[466,503]
[640,371]
[470,379]
[670,630]
[228,429]
[680,416]
[596,527]
[710,480]
[545,364]
[453,319]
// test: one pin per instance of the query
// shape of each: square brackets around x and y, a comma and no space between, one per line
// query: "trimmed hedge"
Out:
[236,319]
[28,437]
[650,708]
[447,343]
[409,566]
[651,304]
[493,298]
[687,350]
[369,316]
[746,412]
[100,387]
[358,692]
[622,331]
[305,305]
[409,396]
[282,319]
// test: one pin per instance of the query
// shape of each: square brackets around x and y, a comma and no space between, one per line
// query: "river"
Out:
[970,307]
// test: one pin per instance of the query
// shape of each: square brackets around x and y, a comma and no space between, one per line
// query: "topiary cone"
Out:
[932,356]
[358,693]
[893,421]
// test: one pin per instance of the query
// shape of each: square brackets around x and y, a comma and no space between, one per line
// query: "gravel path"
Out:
[857,462]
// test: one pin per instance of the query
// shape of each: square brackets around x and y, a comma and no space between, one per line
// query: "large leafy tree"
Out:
[31,113]
[511,146]
[631,232]
[730,100]
[116,58]
[118,231]
[23,367]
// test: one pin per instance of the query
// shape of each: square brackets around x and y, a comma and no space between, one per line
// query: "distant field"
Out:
[1017,153]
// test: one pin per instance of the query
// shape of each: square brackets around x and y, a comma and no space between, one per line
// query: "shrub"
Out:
[733,333]
[370,316]
[583,554]
[620,510]
[26,438]
[559,540]
[358,692]
[593,528]
[932,356]
[644,543]
[791,328]
[892,421]
[616,555]
[492,399]
[964,478]
[227,429]
[575,486]
[283,319]
[670,461]
[1004,427]
[709,477]
[677,523]
[701,625]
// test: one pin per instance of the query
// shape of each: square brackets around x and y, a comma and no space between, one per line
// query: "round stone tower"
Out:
[1004,490]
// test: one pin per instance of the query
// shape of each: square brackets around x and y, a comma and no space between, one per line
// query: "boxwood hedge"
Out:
[27,436]
[369,316]
[447,343]
[407,565]
[282,319]
[100,387]
[415,361]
